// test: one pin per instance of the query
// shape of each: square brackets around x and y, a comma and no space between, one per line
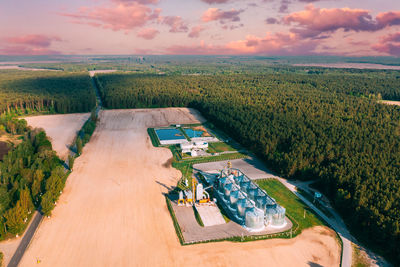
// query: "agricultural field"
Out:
[121,163]
[61,129]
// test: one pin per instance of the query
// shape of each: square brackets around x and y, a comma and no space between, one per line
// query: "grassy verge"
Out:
[175,221]
[229,156]
[153,137]
[88,129]
[219,147]
[184,134]
[197,216]
[359,257]
[298,210]
[310,198]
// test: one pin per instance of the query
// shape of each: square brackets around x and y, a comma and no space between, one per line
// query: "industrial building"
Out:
[193,147]
[247,203]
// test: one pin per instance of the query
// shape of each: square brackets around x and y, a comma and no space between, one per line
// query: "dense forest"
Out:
[32,176]
[32,91]
[328,128]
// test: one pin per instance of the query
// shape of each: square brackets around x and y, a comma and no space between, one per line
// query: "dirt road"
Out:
[112,211]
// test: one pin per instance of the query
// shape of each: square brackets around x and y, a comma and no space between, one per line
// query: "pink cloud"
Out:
[37,40]
[321,20]
[27,51]
[120,17]
[389,44]
[144,2]
[31,44]
[195,31]
[388,48]
[388,19]
[393,37]
[212,14]
[313,21]
[148,33]
[215,1]
[274,44]
[176,23]
[271,44]
[200,49]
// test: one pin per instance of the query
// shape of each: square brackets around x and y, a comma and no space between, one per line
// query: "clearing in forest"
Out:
[113,211]
[61,129]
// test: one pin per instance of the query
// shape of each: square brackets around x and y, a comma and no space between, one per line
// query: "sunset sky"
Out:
[216,27]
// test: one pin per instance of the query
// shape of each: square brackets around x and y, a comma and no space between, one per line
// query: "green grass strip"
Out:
[153,137]
[175,221]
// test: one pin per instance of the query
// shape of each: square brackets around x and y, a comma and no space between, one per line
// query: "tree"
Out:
[71,160]
[47,203]
[37,185]
[15,219]
[79,146]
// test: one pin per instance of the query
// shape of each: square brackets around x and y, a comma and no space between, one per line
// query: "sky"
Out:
[200,27]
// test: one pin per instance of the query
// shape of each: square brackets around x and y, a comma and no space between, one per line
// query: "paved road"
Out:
[26,240]
[336,224]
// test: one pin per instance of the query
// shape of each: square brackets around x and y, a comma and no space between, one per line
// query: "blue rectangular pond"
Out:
[169,134]
[193,134]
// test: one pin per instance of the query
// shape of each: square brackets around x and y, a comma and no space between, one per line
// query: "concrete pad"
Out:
[210,215]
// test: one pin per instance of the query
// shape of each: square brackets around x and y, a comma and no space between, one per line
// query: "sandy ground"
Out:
[8,248]
[6,67]
[113,213]
[351,66]
[93,72]
[62,129]
[389,102]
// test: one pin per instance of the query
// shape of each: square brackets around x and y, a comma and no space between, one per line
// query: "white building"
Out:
[190,147]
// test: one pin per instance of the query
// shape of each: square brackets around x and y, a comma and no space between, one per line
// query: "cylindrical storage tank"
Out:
[255,219]
[228,189]
[252,193]
[244,185]
[250,188]
[278,218]
[242,205]
[239,179]
[222,181]
[260,203]
[234,196]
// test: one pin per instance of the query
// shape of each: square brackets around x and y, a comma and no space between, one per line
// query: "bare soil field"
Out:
[13,67]
[93,72]
[8,247]
[350,66]
[113,212]
[389,102]
[61,129]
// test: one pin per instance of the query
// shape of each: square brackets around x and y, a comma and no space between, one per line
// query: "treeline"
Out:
[305,127]
[31,177]
[28,91]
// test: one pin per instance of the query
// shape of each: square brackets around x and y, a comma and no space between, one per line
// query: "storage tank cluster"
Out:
[246,202]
